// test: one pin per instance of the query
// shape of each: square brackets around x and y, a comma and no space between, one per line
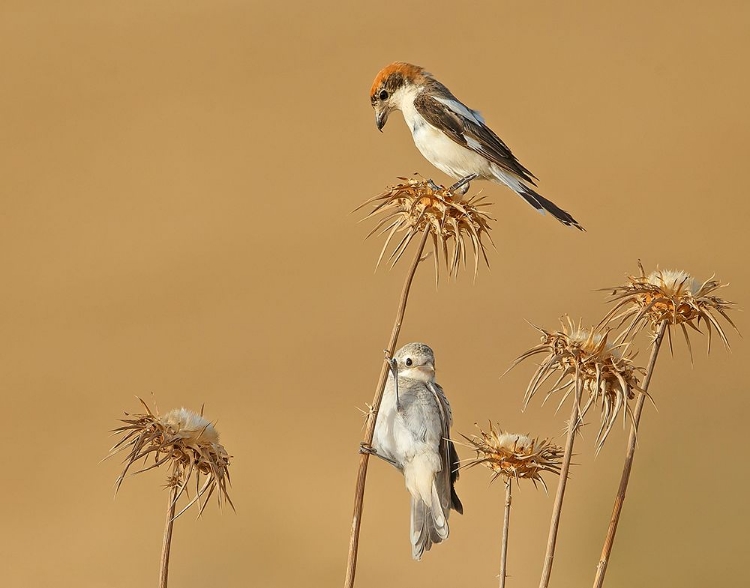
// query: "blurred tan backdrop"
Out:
[177,181]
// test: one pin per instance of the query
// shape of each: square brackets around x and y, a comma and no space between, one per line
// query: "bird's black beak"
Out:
[380,119]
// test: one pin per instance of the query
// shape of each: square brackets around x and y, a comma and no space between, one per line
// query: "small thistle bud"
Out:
[514,457]
[183,440]
[192,428]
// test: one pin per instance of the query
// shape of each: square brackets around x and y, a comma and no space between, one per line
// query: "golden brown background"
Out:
[176,182]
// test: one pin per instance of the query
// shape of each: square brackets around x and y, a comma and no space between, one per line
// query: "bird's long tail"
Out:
[537,200]
[429,523]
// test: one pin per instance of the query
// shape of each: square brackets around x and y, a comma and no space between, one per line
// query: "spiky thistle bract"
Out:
[184,441]
[580,356]
[513,456]
[674,296]
[418,205]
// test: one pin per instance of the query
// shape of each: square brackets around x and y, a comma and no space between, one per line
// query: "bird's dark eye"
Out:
[384,95]
[408,362]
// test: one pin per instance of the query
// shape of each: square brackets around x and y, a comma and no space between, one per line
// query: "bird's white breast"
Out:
[416,430]
[439,149]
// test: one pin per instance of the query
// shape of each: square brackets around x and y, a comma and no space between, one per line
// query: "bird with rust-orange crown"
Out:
[453,137]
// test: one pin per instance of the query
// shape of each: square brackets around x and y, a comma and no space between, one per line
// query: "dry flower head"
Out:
[418,205]
[184,440]
[673,296]
[514,457]
[605,371]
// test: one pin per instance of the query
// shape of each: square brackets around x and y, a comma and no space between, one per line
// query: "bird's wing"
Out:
[466,127]
[443,405]
[448,455]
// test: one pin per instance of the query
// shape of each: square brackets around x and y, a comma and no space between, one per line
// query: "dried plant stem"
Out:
[359,492]
[167,544]
[601,568]
[573,425]
[506,526]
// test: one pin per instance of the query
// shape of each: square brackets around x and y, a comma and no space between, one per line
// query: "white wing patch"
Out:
[472,143]
[460,109]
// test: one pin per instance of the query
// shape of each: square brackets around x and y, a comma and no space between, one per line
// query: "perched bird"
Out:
[451,136]
[412,433]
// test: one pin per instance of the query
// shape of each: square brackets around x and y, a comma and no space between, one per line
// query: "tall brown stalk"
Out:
[513,457]
[601,568]
[659,301]
[573,425]
[359,493]
[584,362]
[167,543]
[189,446]
[506,528]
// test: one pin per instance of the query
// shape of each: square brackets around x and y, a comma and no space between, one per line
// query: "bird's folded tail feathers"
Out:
[456,502]
[439,516]
[537,200]
[542,204]
[452,459]
[421,538]
[429,524]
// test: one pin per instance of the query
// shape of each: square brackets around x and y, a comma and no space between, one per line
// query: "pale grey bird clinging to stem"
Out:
[412,433]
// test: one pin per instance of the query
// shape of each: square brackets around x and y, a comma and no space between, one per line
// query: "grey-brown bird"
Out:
[412,433]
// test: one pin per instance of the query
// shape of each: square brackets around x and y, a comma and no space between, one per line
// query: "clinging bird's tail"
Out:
[429,524]
[433,495]
[430,502]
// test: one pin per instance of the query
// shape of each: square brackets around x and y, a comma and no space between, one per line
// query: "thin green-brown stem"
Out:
[506,526]
[167,543]
[562,482]
[601,568]
[359,492]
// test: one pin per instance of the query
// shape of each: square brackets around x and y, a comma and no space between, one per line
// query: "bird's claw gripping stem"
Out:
[367,449]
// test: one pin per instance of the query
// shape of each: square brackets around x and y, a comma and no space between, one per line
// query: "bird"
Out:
[453,137]
[412,433]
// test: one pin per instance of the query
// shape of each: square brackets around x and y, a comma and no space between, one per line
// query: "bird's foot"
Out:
[461,190]
[367,449]
[462,185]
[433,186]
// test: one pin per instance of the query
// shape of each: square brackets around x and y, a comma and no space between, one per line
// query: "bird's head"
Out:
[416,361]
[388,88]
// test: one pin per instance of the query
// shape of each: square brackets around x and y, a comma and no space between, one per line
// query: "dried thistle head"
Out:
[673,296]
[418,205]
[513,456]
[584,357]
[183,440]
